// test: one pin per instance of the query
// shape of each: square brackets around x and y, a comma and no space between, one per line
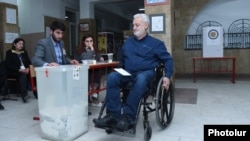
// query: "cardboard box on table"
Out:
[63,101]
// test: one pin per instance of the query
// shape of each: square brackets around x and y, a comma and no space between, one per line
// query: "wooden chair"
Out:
[33,80]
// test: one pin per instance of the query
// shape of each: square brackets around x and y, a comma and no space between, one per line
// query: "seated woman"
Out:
[17,64]
[88,51]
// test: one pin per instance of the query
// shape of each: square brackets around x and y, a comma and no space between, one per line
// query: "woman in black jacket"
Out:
[17,64]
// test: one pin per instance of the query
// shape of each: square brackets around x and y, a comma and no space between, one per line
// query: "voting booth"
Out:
[212,42]
[63,101]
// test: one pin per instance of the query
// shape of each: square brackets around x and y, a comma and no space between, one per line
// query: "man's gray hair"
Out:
[143,16]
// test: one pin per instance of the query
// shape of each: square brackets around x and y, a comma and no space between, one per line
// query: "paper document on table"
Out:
[122,71]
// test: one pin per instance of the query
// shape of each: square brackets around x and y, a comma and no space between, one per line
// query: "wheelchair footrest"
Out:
[110,130]
[129,132]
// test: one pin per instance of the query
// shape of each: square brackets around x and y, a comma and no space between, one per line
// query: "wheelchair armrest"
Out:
[159,72]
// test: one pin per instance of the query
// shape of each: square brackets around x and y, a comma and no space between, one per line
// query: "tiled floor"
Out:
[219,102]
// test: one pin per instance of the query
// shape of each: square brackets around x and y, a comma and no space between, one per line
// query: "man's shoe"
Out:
[125,123]
[106,121]
[1,107]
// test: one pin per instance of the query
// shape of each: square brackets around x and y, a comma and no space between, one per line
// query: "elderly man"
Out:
[139,56]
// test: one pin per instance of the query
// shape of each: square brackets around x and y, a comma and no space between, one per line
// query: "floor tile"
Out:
[218,102]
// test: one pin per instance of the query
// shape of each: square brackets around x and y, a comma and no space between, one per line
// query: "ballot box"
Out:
[63,101]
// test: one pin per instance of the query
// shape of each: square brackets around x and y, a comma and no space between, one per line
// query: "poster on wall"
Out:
[10,37]
[84,27]
[11,15]
[212,42]
[157,23]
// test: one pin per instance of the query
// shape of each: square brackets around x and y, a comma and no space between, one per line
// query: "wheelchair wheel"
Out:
[147,132]
[165,103]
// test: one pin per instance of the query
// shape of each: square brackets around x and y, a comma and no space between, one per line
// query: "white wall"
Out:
[222,11]
[32,12]
[87,8]
[30,16]
[14,2]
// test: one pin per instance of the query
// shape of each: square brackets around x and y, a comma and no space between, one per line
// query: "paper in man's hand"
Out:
[122,71]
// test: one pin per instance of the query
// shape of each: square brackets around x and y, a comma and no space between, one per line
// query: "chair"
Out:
[163,103]
[13,86]
[6,83]
[33,80]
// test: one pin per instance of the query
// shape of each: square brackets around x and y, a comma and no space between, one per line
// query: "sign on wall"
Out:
[212,42]
[11,16]
[10,37]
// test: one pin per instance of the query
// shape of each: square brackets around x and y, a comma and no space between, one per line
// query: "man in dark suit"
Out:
[50,51]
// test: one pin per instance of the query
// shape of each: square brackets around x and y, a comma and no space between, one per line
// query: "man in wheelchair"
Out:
[139,56]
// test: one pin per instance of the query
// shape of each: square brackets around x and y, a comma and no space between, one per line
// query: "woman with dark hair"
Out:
[87,50]
[17,63]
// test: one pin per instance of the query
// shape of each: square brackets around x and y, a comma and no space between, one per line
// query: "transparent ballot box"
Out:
[63,101]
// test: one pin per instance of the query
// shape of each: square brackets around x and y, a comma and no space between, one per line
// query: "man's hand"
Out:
[74,62]
[166,83]
[92,48]
[53,64]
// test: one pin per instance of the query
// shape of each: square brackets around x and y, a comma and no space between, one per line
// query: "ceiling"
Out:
[124,8]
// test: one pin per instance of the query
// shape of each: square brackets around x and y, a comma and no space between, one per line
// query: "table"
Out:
[100,66]
[214,65]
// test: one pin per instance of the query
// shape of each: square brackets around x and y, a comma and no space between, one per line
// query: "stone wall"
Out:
[184,13]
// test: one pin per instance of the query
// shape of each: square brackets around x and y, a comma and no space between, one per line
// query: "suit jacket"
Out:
[13,62]
[45,53]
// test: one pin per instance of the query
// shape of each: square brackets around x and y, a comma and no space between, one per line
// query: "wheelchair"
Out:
[163,103]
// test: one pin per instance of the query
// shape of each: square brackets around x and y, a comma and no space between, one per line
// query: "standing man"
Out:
[50,51]
[140,55]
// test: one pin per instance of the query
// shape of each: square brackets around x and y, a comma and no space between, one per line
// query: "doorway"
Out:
[70,16]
